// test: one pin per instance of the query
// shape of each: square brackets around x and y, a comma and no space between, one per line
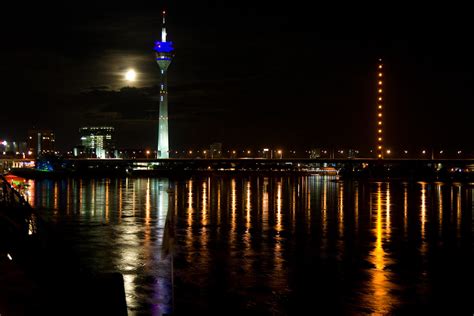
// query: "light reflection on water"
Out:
[257,243]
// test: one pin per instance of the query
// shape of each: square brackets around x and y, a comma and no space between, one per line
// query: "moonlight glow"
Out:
[130,75]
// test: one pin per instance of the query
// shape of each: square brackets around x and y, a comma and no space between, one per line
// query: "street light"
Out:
[280,152]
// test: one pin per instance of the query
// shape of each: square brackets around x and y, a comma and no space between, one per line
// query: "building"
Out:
[97,141]
[164,54]
[40,142]
[215,150]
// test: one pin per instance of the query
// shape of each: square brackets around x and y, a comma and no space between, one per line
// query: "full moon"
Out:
[130,75]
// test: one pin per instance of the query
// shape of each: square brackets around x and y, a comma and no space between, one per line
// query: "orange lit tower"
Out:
[379,134]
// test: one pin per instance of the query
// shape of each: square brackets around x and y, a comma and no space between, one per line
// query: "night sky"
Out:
[245,75]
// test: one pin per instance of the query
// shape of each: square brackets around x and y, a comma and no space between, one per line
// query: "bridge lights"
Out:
[280,152]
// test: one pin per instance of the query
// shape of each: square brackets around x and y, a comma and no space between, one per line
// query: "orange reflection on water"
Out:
[340,209]
[308,205]
[278,278]
[147,232]
[324,217]
[440,207]
[30,195]
[458,211]
[120,202]
[190,213]
[379,296]
[190,209]
[247,263]
[219,203]
[147,202]
[204,222]
[204,205]
[55,197]
[248,207]
[265,205]
[424,244]
[356,209]
[405,210]
[233,209]
[388,226]
[107,202]
[295,193]
[278,226]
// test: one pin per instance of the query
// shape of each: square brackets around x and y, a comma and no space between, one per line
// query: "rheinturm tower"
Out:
[164,55]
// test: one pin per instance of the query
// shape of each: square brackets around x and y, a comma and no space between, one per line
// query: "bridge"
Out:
[446,168]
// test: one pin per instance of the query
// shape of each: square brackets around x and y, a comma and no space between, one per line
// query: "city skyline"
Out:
[273,60]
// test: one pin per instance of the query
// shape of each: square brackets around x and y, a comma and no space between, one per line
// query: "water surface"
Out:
[272,245]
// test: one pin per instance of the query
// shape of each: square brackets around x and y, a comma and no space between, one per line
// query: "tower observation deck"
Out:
[164,54]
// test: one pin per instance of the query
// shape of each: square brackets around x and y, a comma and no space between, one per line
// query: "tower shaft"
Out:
[163,137]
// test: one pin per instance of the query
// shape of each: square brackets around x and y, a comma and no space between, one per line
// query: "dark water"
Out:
[273,245]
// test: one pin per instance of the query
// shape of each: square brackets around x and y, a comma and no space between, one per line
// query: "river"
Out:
[271,245]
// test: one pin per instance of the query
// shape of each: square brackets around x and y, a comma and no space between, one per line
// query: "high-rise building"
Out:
[164,54]
[40,142]
[97,140]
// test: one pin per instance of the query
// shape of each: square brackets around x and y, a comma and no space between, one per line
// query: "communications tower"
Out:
[164,54]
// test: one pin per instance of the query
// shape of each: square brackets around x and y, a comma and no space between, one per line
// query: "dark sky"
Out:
[245,75]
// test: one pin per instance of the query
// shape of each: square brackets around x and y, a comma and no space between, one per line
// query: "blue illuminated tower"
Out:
[164,55]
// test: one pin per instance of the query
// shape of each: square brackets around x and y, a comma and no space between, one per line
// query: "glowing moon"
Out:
[130,75]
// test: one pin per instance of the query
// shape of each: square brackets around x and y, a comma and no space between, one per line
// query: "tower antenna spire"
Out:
[163,28]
